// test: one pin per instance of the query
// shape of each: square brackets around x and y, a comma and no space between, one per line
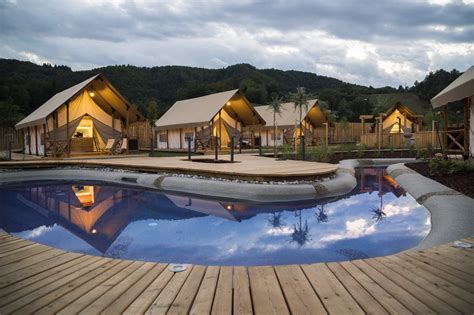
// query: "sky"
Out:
[374,43]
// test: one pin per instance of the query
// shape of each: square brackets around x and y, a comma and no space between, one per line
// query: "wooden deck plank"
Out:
[299,294]
[61,302]
[441,266]
[433,285]
[458,281]
[163,302]
[332,293]
[399,293]
[21,253]
[242,296]
[389,302]
[418,292]
[29,261]
[11,241]
[60,280]
[368,303]
[460,266]
[60,290]
[124,300]
[267,295]
[117,290]
[27,277]
[439,278]
[79,304]
[151,292]
[223,297]
[183,301]
[205,296]
[35,282]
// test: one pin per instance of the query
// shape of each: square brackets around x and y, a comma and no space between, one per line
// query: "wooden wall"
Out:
[7,134]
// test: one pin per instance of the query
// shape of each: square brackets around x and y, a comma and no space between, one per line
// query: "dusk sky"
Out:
[372,43]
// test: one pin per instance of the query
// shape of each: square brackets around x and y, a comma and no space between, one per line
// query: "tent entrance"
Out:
[85,137]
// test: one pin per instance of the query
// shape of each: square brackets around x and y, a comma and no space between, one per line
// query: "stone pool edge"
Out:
[452,213]
[342,183]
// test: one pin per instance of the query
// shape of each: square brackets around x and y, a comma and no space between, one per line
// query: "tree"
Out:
[300,99]
[152,116]
[275,106]
[10,114]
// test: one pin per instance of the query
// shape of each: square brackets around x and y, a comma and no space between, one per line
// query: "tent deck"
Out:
[38,278]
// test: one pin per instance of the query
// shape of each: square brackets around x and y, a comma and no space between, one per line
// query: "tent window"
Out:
[278,136]
[189,135]
[163,137]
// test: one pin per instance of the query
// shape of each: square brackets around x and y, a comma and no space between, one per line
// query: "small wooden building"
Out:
[79,119]
[216,116]
[401,119]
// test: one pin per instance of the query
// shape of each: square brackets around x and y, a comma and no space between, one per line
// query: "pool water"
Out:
[377,218]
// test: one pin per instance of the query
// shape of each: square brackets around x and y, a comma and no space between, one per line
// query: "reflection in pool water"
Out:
[377,218]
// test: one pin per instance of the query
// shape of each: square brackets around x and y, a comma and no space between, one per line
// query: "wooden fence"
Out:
[13,135]
[397,140]
[341,133]
[143,132]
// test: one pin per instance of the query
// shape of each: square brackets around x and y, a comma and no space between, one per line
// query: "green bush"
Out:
[320,153]
[285,151]
[447,167]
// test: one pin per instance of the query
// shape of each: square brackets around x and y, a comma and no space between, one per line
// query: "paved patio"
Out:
[38,279]
[247,165]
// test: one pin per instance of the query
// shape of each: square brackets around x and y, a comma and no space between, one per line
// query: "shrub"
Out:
[285,151]
[320,153]
[447,167]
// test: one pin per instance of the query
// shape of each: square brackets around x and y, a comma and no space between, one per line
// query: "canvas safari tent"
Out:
[216,116]
[288,124]
[461,89]
[401,119]
[82,118]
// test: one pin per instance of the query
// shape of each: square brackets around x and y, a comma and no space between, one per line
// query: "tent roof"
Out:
[403,109]
[98,83]
[460,88]
[289,114]
[200,110]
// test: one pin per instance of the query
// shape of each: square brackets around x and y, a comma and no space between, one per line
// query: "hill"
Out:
[411,100]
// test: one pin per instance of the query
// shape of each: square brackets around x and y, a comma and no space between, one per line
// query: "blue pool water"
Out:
[377,218]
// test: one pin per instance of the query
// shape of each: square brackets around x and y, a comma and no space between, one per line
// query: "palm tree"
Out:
[321,215]
[300,99]
[152,116]
[300,233]
[276,221]
[275,106]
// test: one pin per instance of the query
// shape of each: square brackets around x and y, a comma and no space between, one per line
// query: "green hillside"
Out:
[411,100]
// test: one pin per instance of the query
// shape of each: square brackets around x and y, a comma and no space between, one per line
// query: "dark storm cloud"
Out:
[370,42]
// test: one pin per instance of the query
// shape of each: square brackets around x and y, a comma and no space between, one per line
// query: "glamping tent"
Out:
[221,115]
[288,123]
[461,89]
[400,119]
[82,118]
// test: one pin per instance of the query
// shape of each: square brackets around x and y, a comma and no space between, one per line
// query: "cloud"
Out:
[354,229]
[383,43]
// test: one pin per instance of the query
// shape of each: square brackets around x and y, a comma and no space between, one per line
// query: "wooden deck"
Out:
[246,165]
[43,280]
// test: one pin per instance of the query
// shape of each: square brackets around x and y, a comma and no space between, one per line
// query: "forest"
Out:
[24,86]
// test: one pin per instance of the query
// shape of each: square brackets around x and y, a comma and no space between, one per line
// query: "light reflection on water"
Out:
[377,218]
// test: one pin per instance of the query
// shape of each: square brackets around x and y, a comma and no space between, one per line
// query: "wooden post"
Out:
[113,119]
[326,128]
[36,141]
[167,140]
[29,140]
[44,139]
[466,126]
[433,133]
[363,125]
[220,129]
[128,120]
[180,139]
[445,111]
[68,136]
[274,137]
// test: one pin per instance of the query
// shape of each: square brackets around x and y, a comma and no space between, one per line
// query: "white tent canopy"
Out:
[462,87]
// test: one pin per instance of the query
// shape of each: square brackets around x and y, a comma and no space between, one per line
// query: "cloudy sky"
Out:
[368,42]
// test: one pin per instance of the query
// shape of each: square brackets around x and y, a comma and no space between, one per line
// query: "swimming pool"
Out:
[377,218]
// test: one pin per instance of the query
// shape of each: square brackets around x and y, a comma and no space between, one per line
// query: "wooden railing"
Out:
[421,139]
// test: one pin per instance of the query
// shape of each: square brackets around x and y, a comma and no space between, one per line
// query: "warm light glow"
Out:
[229,207]
[91,94]
[85,194]
[94,231]
[228,103]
